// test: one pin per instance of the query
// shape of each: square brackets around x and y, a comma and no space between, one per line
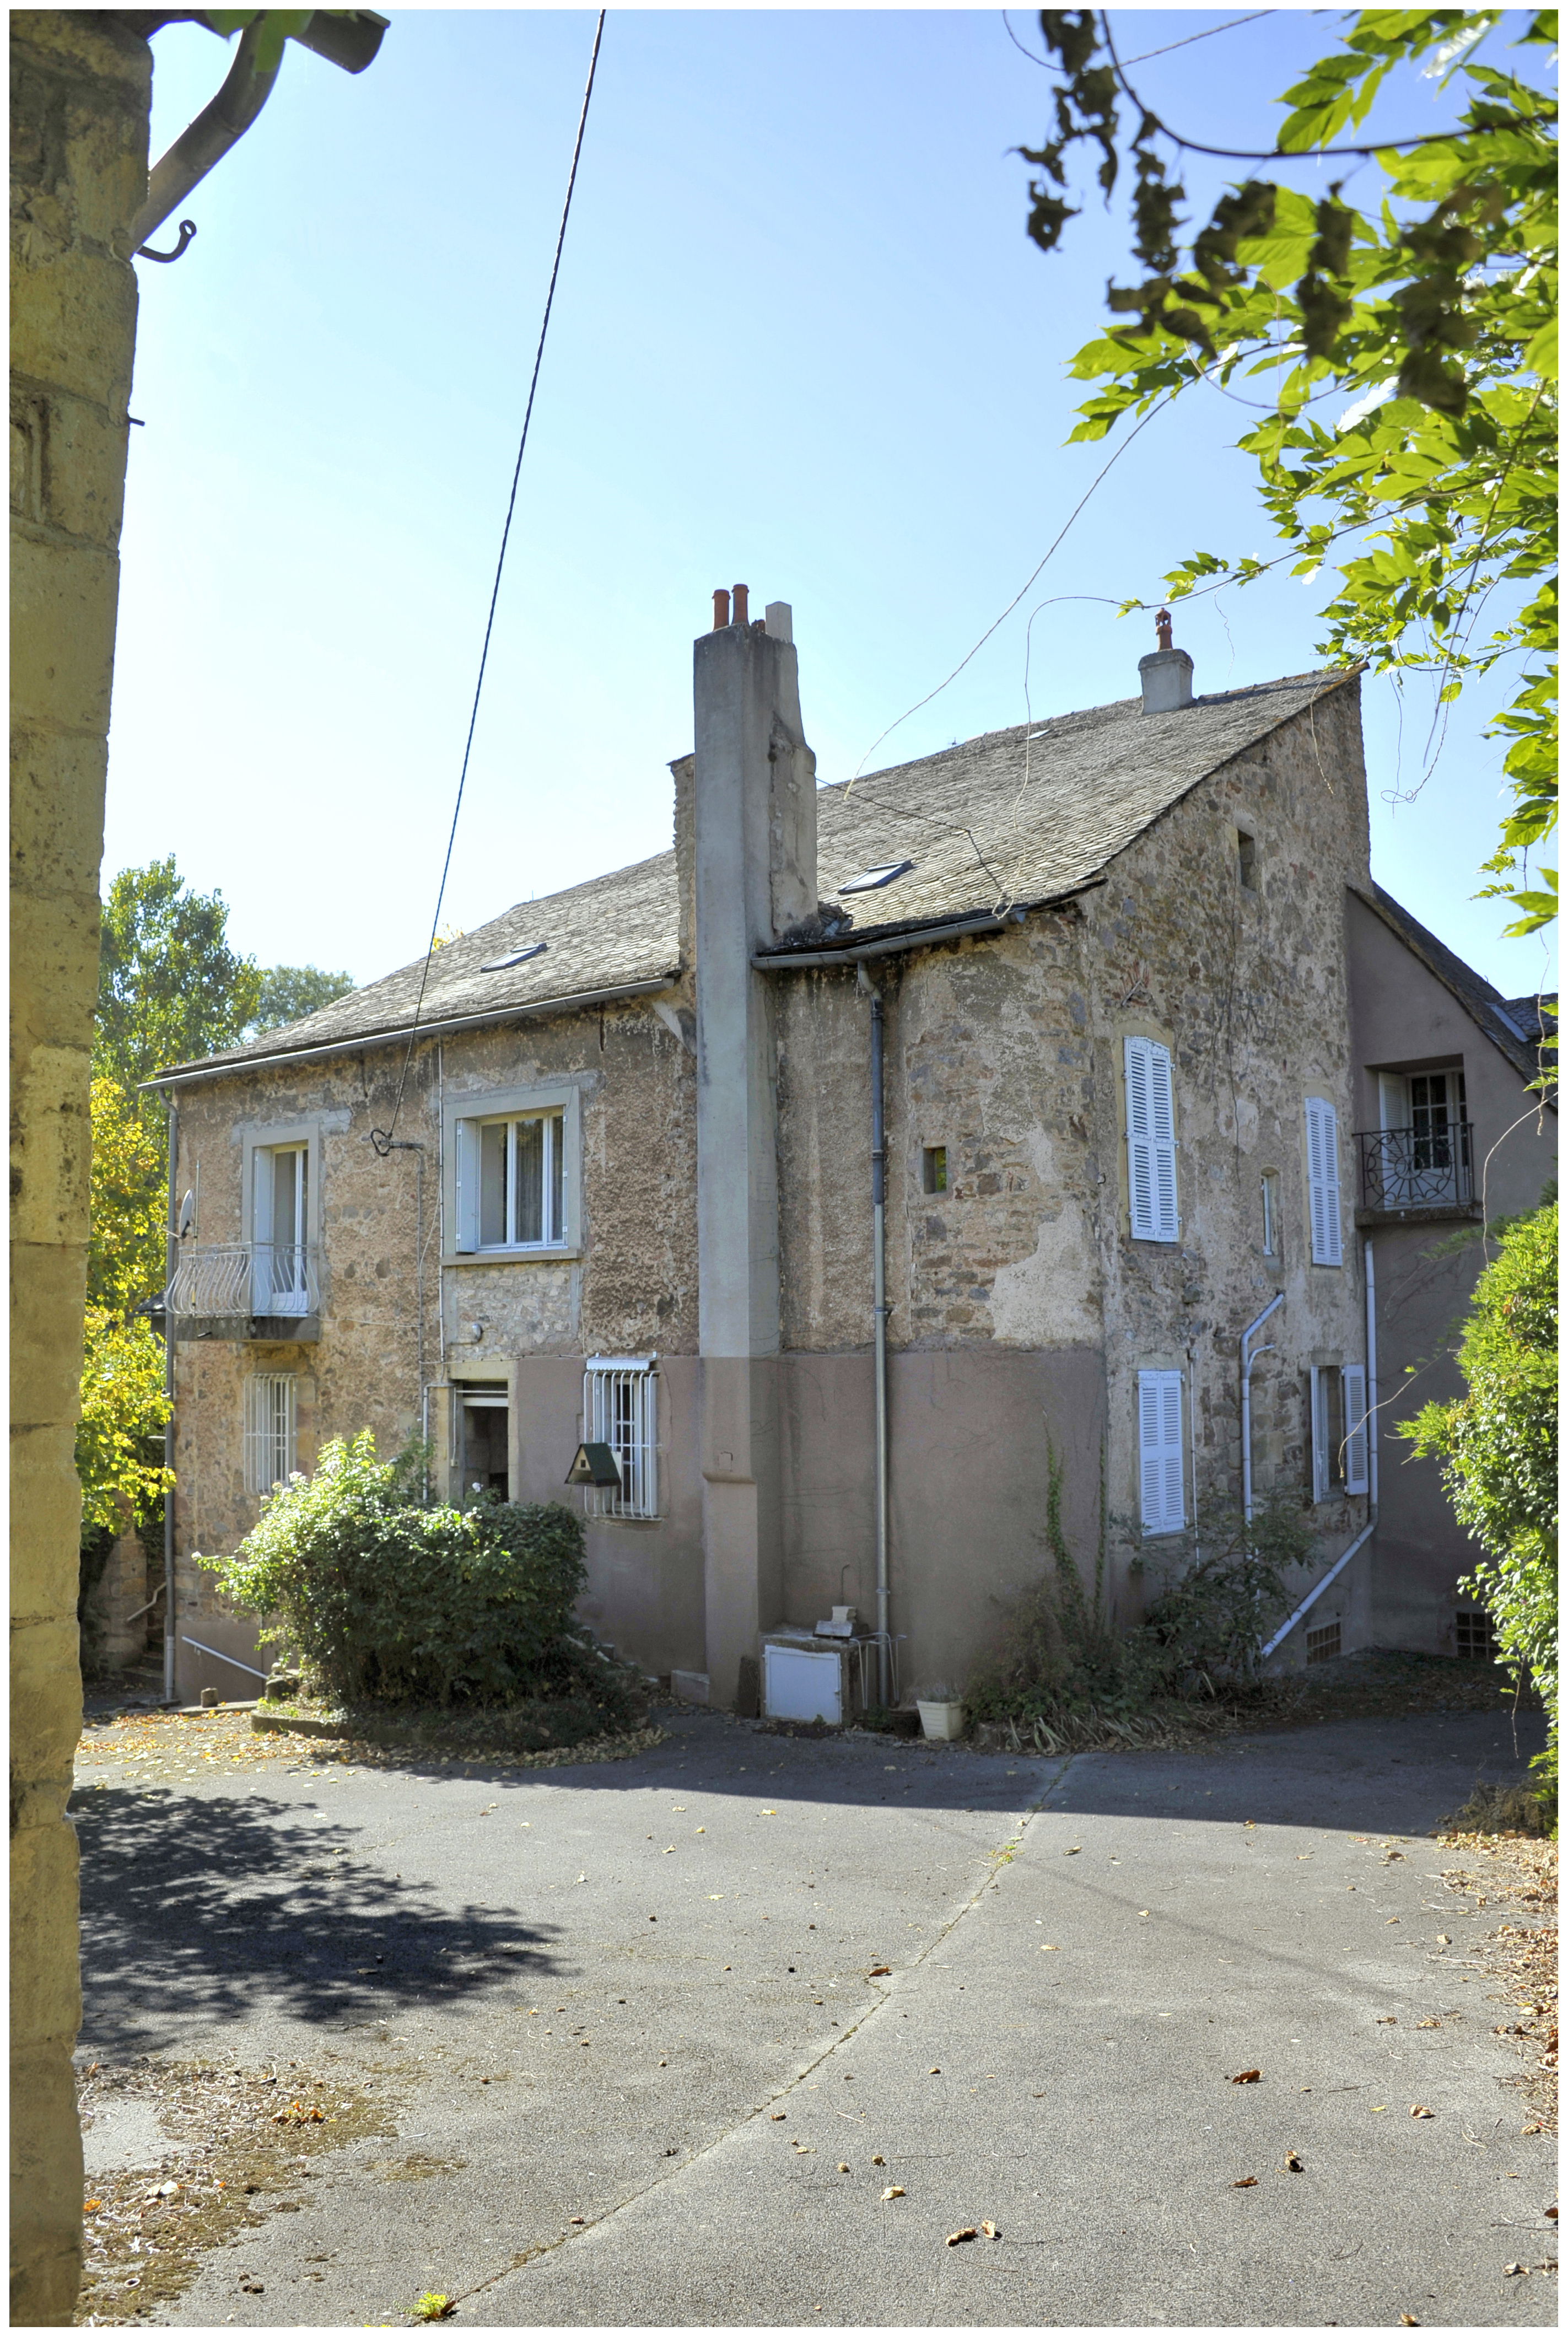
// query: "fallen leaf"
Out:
[1428,2024]
[91,2207]
[1408,2320]
[1247,2078]
[1417,2109]
[1294,2164]
[968,2233]
[990,2231]
[1245,2183]
[1073,1852]
[1378,2108]
[933,2073]
[579,2219]
[843,2167]
[1389,1918]
[1443,1941]
[878,2160]
[1550,2213]
[894,2191]
[1509,2270]
[806,2150]
[1047,1950]
[1142,1912]
[776,2115]
[879,1971]
[1387,2021]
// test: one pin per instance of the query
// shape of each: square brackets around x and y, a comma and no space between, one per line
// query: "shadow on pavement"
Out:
[212,1907]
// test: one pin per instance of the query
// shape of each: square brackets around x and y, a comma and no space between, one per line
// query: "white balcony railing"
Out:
[245,1278]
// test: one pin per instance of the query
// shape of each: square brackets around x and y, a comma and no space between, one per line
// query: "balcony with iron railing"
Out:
[245,1290]
[1417,1174]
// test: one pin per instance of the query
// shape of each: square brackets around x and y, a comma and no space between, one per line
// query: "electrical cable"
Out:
[1157,408]
[381,1137]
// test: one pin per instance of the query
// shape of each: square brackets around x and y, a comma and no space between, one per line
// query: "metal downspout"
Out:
[1250,1355]
[172,1261]
[879,1321]
[1371,1379]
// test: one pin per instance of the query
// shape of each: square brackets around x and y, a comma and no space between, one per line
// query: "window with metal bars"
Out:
[1473,1638]
[1323,1643]
[269,1430]
[620,1408]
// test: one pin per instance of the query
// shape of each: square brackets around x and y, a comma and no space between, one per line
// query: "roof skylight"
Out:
[871,880]
[514,957]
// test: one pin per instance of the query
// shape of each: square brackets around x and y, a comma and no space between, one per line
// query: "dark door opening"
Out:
[485,1434]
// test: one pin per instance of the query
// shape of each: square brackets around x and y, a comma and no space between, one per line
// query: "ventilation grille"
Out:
[1323,1644]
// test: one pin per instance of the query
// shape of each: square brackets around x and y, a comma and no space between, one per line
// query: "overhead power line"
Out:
[381,1137]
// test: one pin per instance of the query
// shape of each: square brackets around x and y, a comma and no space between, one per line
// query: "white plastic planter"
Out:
[943,1720]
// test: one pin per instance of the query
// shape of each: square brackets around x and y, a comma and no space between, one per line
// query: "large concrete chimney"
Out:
[755,806]
[1166,674]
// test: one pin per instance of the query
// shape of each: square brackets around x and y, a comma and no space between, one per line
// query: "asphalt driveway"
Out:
[648,1996]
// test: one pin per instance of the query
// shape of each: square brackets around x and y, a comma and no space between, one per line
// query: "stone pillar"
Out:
[81,87]
[755,806]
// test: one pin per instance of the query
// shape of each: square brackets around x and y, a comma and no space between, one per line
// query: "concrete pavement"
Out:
[665,1968]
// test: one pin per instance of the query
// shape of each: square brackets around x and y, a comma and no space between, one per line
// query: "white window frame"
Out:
[1150,1125]
[271,1422]
[1162,1464]
[620,1408]
[1268,1184]
[464,1116]
[1323,1216]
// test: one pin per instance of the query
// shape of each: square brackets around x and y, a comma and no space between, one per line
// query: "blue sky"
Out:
[800,340]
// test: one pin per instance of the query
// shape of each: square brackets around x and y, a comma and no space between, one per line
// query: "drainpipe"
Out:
[1250,1355]
[879,1312]
[348,40]
[1371,1379]
[171,1248]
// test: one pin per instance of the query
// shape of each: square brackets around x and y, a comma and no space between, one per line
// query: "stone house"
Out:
[877,1153]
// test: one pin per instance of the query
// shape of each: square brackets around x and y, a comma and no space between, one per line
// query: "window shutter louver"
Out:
[1323,1181]
[1355,1428]
[1160,1475]
[1319,1436]
[466,1180]
[1151,1141]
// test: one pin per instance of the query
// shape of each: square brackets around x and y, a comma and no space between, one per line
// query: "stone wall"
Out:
[81,89]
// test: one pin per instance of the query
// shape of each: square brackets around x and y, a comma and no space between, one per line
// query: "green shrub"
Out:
[1497,1444]
[388,1599]
[1214,1598]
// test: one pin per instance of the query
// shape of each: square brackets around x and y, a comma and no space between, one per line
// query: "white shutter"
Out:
[1354,1385]
[1150,1141]
[1319,1433]
[1163,1117]
[465,1185]
[1159,1472]
[1323,1181]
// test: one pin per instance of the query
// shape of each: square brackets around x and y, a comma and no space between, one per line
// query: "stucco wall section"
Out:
[80,94]
[1405,1019]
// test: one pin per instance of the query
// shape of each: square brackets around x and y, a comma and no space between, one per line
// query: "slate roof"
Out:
[1527,1019]
[1017,816]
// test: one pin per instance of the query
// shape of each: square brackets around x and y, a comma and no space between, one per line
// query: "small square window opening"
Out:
[1323,1644]
[1247,860]
[934,1168]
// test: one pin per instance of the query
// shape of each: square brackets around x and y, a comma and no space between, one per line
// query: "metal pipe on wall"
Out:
[1371,1377]
[1250,1355]
[879,1319]
[172,1259]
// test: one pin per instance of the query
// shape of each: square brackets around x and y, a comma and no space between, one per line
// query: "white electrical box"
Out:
[803,1683]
